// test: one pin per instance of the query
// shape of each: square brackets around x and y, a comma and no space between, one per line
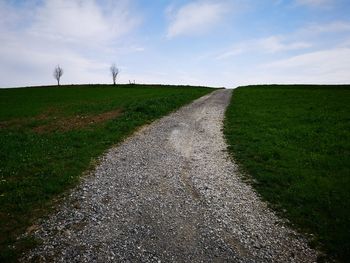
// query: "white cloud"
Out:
[83,20]
[345,43]
[85,36]
[34,64]
[276,44]
[325,66]
[310,36]
[321,67]
[315,3]
[195,18]
[82,36]
[332,27]
[272,44]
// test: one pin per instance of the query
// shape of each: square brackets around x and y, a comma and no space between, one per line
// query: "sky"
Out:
[221,43]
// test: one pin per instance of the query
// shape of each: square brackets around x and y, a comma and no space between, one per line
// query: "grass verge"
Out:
[294,141]
[50,136]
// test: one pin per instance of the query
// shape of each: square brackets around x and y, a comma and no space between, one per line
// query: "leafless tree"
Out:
[57,73]
[115,71]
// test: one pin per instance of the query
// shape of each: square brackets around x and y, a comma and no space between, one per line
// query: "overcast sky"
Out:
[204,42]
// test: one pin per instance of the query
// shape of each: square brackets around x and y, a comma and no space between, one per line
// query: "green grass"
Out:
[294,142]
[35,168]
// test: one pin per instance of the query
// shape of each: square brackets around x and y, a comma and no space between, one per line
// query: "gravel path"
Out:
[169,193]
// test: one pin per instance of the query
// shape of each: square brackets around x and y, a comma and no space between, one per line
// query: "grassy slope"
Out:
[295,142]
[34,168]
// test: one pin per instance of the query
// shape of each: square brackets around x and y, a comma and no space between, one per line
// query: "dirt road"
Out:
[169,193]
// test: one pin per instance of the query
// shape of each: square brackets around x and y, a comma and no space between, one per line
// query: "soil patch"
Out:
[76,122]
[20,122]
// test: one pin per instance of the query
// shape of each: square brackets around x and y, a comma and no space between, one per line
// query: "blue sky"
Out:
[204,42]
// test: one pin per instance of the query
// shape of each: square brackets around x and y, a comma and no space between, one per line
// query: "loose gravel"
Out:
[169,193]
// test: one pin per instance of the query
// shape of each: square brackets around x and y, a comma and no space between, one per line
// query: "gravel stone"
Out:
[169,193]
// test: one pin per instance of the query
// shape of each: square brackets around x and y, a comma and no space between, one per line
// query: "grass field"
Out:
[50,136]
[294,142]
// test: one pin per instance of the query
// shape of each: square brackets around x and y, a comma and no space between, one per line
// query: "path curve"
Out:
[169,193]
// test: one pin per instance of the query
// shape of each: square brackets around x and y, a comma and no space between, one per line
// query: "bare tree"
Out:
[115,71]
[57,73]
